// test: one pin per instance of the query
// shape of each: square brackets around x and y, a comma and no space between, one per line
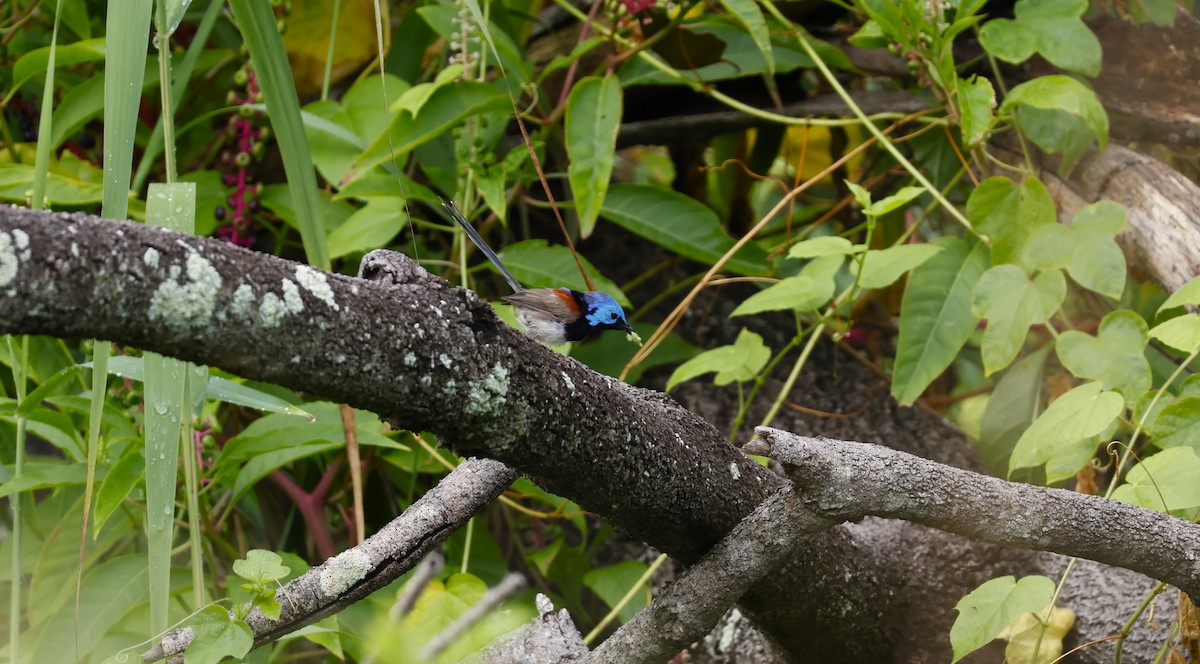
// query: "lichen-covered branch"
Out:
[851,480]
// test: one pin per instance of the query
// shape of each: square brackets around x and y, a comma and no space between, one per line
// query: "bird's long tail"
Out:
[487,251]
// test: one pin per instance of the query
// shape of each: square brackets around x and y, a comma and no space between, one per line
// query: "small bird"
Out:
[552,315]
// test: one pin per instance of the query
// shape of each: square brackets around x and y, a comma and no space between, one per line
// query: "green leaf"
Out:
[446,107]
[1012,302]
[882,267]
[1115,356]
[741,362]
[989,609]
[370,227]
[220,389]
[592,118]
[807,291]
[261,567]
[46,476]
[679,223]
[1061,436]
[1181,333]
[1087,248]
[613,582]
[751,17]
[217,636]
[1053,28]
[1159,12]
[35,62]
[609,353]
[1168,476]
[1011,409]
[935,315]
[71,182]
[893,202]
[538,264]
[1058,131]
[1189,293]
[1009,213]
[829,245]
[1062,93]
[976,100]
[1178,425]
[870,35]
[120,479]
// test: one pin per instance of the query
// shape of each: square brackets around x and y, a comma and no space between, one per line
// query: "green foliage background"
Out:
[261,130]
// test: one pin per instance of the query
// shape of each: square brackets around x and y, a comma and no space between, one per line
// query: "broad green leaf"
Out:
[750,16]
[1178,425]
[1159,12]
[592,118]
[1062,93]
[109,597]
[46,476]
[613,582]
[120,479]
[681,224]
[71,182]
[1011,409]
[870,35]
[989,609]
[218,388]
[609,353]
[370,227]
[1181,333]
[538,264]
[893,202]
[1087,248]
[935,315]
[445,108]
[1189,293]
[807,291]
[1012,302]
[739,362]
[1053,28]
[1009,213]
[882,267]
[829,245]
[1056,131]
[261,566]
[1115,356]
[338,131]
[35,62]
[1061,438]
[415,97]
[1168,476]
[976,100]
[217,636]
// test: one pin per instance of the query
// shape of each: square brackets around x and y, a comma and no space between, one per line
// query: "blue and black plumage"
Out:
[552,315]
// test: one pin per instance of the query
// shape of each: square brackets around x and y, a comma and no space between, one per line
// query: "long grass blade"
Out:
[257,25]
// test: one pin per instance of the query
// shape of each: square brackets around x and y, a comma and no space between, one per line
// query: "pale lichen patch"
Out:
[291,297]
[243,300]
[150,258]
[570,383]
[488,395]
[8,259]
[343,571]
[734,470]
[186,305]
[271,310]
[314,281]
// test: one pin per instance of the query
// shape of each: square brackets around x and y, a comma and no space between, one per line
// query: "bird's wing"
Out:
[557,302]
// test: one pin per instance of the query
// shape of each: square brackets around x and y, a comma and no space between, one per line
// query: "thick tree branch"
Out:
[357,572]
[851,480]
[688,608]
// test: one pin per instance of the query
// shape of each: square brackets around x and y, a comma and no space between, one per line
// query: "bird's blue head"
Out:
[603,312]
